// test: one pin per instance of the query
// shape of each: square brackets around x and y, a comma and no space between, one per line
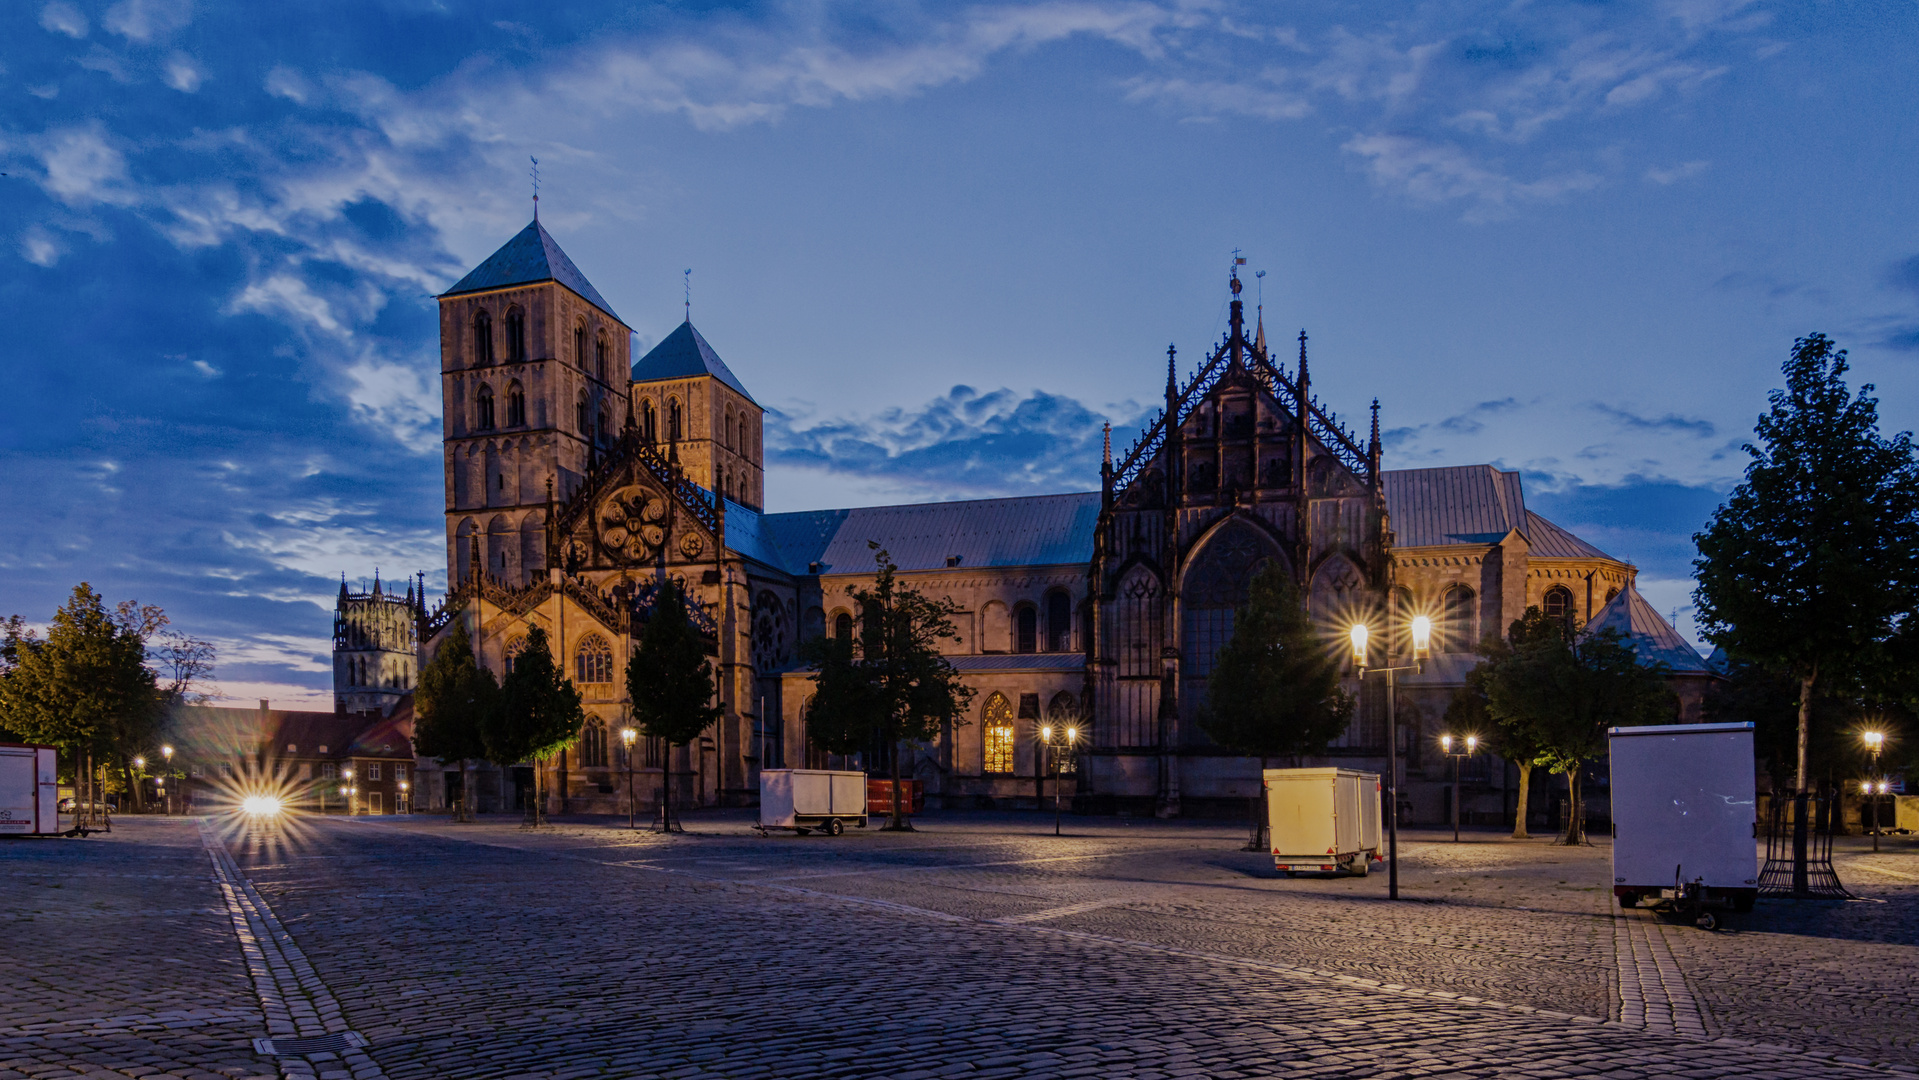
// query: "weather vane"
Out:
[689,293]
[535,173]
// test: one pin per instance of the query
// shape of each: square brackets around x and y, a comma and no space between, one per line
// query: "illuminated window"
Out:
[998,735]
[513,650]
[373,770]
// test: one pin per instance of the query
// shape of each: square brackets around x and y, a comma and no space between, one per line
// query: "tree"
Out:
[1811,568]
[892,685]
[86,688]
[670,681]
[1468,711]
[1559,692]
[538,713]
[1274,690]
[451,706]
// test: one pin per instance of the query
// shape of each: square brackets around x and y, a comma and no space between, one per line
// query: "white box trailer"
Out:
[808,799]
[29,790]
[1323,821]
[1684,812]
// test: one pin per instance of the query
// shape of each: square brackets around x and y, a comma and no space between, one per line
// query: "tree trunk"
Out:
[898,824]
[1574,832]
[133,788]
[466,790]
[1256,814]
[1525,794]
[1801,884]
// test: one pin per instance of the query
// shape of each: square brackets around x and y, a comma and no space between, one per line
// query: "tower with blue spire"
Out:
[699,413]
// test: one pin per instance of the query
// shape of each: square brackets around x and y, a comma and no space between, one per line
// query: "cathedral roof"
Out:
[1650,636]
[532,256]
[1472,504]
[684,354]
[1036,530]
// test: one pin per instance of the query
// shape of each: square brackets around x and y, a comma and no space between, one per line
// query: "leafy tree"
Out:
[86,687]
[1559,692]
[1811,568]
[670,680]
[451,706]
[1469,709]
[892,685]
[1274,690]
[538,713]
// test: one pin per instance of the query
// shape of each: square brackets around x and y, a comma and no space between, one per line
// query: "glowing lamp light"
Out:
[1046,733]
[139,763]
[1072,733]
[627,735]
[1422,636]
[1472,743]
[1874,740]
[1359,644]
[260,805]
[167,752]
[1446,743]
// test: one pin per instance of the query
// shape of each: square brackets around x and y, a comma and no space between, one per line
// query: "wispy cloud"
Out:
[1670,423]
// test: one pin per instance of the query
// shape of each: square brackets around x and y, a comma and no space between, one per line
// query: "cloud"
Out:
[1435,173]
[83,166]
[40,247]
[183,73]
[1472,421]
[1670,423]
[1669,176]
[144,20]
[963,444]
[63,18]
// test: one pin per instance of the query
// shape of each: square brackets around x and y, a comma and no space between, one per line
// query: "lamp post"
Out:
[349,791]
[167,753]
[140,766]
[1422,633]
[1875,741]
[1467,748]
[627,735]
[406,805]
[1068,737]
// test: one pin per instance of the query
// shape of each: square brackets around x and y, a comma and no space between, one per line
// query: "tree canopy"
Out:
[669,678]
[1811,568]
[539,708]
[454,699]
[1274,690]
[891,684]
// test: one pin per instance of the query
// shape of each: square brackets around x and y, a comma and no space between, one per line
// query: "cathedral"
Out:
[578,477]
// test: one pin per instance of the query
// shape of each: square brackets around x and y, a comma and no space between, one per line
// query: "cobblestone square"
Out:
[980,945]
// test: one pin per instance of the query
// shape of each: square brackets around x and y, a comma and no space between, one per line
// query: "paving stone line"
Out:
[296,1002]
[1652,991]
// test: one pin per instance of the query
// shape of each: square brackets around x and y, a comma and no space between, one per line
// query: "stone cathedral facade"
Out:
[577,478]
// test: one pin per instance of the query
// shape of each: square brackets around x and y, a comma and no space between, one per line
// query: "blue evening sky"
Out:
[942,243]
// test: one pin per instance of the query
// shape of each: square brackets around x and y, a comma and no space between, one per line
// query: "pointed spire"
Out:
[1259,333]
[343,584]
[376,583]
[1304,381]
[1106,447]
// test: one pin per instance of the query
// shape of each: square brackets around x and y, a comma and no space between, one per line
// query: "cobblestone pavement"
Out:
[981,945]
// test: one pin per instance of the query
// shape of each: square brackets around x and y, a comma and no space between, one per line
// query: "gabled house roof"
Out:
[684,354]
[1649,635]
[531,257]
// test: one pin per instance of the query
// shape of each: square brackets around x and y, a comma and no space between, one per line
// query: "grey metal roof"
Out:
[1549,541]
[1036,530]
[1651,637]
[532,256]
[747,534]
[1020,662]
[683,354]
[1459,504]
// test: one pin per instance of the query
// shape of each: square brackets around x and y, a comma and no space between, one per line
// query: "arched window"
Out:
[593,744]
[605,431]
[580,416]
[579,345]
[997,733]
[515,405]
[1026,629]
[1457,619]
[515,335]
[649,423]
[1610,593]
[593,662]
[482,339]
[599,357]
[1059,621]
[729,431]
[843,626]
[485,421]
[673,419]
[1559,603]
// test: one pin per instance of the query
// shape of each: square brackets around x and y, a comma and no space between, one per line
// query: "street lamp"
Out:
[167,753]
[1422,634]
[405,804]
[1068,736]
[1875,741]
[1467,748]
[627,735]
[349,791]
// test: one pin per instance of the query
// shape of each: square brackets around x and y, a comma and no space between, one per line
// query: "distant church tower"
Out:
[533,377]
[688,400]
[375,648]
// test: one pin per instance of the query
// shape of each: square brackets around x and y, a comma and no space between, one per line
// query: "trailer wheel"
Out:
[834,827]
[1359,866]
[1628,899]
[1706,921]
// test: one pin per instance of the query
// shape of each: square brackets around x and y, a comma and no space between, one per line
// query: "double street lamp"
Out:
[1068,736]
[1421,629]
[1466,748]
[1875,741]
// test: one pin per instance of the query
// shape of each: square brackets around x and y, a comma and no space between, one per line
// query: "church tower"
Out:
[375,654]
[689,402]
[533,377]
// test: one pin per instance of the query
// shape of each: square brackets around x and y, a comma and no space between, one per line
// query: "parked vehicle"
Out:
[28,790]
[806,799]
[1323,821]
[1684,811]
[72,805]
